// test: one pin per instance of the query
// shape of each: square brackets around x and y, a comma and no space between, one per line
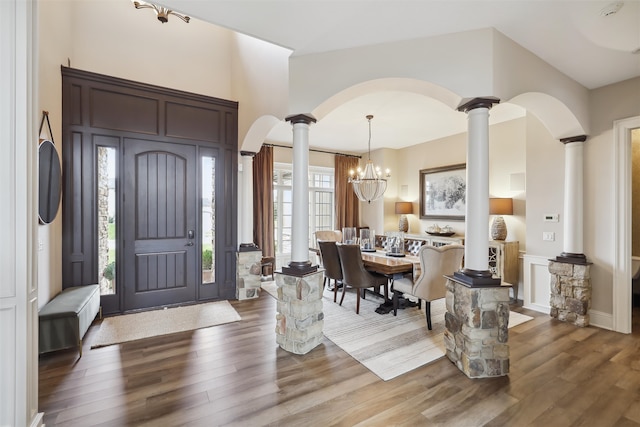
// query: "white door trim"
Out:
[622,215]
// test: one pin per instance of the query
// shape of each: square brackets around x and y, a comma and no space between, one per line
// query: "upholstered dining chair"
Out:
[430,285]
[331,264]
[355,275]
[326,235]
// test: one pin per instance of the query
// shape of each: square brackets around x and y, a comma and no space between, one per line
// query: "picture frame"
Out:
[443,192]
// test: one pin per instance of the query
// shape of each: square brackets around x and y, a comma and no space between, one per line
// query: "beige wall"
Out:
[507,142]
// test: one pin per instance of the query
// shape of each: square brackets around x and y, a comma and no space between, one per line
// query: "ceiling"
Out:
[594,42]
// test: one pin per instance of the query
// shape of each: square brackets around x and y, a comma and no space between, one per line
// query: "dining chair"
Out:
[430,285]
[327,235]
[355,275]
[331,264]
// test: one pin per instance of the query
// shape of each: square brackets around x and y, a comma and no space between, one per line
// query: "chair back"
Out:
[330,259]
[412,246]
[353,272]
[329,235]
[435,262]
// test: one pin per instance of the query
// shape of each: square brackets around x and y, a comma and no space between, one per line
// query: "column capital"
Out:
[579,138]
[301,118]
[248,153]
[473,103]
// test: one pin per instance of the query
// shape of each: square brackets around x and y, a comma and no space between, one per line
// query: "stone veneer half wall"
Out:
[248,274]
[477,329]
[570,292]
[300,319]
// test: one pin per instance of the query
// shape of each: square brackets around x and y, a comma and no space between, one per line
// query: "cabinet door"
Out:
[495,260]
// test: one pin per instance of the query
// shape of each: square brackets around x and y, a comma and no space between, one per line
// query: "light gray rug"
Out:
[146,324]
[388,346]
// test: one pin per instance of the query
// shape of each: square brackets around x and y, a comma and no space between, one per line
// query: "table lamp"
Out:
[500,206]
[402,209]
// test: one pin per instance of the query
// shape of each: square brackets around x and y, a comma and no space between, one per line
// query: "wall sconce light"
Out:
[402,209]
[161,12]
[500,206]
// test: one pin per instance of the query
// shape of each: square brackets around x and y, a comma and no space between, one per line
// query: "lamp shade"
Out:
[404,208]
[499,206]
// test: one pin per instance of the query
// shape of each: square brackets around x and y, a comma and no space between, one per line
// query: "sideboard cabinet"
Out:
[503,262]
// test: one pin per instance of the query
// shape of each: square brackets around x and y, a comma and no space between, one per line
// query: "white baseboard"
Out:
[537,307]
[601,319]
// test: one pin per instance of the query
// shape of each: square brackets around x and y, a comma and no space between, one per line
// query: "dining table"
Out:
[393,267]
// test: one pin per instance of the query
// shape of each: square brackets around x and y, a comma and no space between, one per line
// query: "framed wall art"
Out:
[443,192]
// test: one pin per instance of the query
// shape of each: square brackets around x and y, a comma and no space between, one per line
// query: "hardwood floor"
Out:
[236,375]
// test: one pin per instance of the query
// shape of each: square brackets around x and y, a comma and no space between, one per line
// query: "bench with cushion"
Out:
[66,318]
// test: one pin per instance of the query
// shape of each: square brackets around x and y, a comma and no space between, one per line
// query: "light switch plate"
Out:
[548,236]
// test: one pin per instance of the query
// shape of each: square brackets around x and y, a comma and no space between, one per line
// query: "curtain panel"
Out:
[263,233]
[346,202]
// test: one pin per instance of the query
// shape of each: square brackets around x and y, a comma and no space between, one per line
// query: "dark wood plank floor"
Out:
[235,374]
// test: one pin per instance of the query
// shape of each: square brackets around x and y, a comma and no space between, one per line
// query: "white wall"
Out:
[545,189]
[607,104]
[445,61]
[18,187]
[260,83]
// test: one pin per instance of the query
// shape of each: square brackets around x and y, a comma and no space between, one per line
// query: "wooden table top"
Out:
[383,264]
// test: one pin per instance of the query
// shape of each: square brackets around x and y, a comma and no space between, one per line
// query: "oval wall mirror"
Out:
[49,182]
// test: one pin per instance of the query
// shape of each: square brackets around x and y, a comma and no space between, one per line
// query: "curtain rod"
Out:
[317,151]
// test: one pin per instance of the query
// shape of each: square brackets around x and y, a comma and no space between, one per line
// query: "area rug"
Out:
[387,345]
[147,324]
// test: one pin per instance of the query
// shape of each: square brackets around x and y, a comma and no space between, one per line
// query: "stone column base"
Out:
[570,292]
[476,334]
[300,319]
[248,273]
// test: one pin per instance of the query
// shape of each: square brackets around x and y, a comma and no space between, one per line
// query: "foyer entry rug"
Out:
[388,346]
[147,324]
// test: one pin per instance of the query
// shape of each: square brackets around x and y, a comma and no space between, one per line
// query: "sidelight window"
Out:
[106,167]
[208,181]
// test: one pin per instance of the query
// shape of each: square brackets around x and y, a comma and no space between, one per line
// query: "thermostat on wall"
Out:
[551,217]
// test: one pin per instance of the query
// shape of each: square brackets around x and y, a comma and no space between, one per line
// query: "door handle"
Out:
[189,244]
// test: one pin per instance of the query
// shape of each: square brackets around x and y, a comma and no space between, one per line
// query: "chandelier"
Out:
[161,12]
[368,184]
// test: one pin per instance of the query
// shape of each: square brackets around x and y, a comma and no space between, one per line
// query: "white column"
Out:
[573,197]
[300,219]
[246,204]
[300,263]
[477,213]
[476,261]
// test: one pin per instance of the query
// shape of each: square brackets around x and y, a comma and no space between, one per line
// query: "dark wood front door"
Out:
[134,168]
[159,237]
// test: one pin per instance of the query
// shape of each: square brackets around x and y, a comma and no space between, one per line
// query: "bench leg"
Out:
[100,313]
[80,346]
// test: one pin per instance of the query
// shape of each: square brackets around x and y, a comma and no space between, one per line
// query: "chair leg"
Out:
[344,288]
[395,303]
[427,305]
[358,301]
[335,290]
